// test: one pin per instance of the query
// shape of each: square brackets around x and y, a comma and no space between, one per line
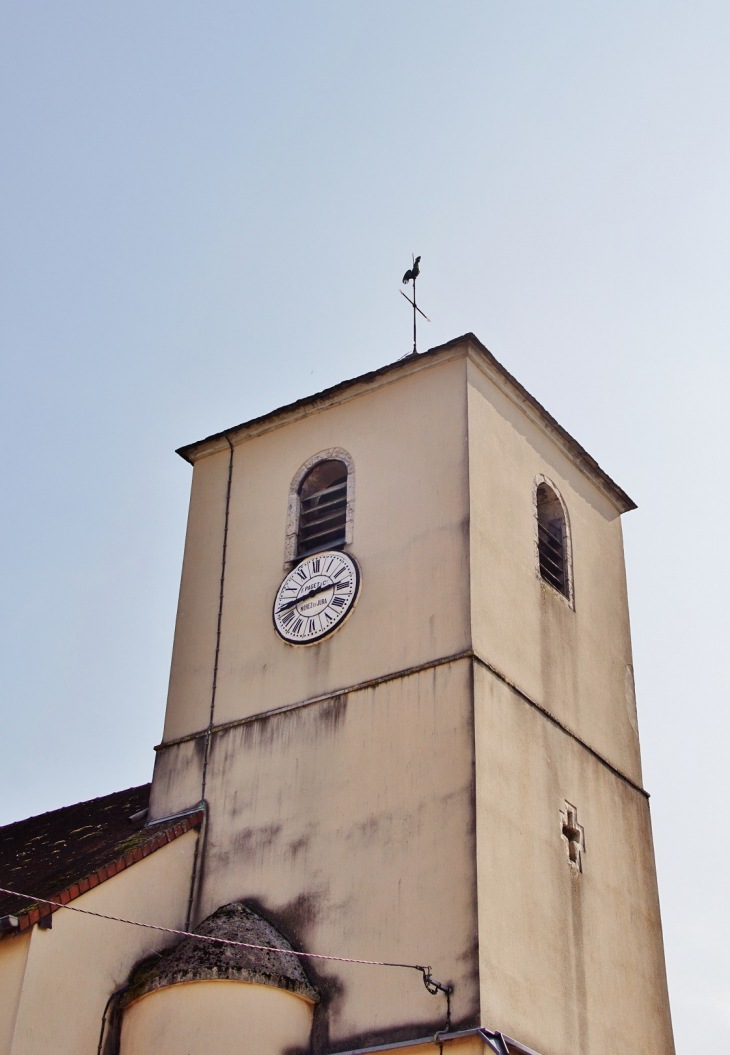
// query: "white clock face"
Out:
[316,597]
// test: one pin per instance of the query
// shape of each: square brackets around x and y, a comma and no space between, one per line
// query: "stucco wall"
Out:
[577,663]
[569,962]
[73,968]
[216,1018]
[13,958]
[408,443]
[350,825]
[191,670]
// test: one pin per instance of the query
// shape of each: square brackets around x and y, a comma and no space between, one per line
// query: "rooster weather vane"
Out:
[412,274]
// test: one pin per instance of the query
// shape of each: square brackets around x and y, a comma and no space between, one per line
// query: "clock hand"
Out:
[304,597]
[290,604]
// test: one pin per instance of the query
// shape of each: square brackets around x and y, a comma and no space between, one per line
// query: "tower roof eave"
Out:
[346,389]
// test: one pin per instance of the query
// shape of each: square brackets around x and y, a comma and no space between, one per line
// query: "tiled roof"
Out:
[62,854]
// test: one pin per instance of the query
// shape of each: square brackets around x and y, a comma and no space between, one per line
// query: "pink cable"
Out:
[217,941]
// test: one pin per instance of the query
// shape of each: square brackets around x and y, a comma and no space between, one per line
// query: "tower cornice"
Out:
[467,345]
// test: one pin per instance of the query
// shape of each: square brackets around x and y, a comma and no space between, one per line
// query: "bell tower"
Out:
[443,768]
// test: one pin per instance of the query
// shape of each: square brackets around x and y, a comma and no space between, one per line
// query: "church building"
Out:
[398,802]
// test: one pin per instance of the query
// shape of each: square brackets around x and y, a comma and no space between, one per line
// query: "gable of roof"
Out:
[62,854]
[517,392]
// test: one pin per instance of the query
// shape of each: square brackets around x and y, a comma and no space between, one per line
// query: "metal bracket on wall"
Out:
[495,1041]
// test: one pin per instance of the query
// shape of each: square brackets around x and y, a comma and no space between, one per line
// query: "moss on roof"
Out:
[198,961]
[44,855]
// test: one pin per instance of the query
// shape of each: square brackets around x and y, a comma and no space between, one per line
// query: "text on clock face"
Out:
[314,598]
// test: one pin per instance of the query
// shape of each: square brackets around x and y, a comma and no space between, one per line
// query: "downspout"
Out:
[114,995]
[202,834]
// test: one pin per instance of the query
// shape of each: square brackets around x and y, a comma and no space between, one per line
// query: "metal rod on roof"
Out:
[410,276]
[414,305]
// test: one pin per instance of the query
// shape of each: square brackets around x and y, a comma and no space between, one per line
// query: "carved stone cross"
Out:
[573,833]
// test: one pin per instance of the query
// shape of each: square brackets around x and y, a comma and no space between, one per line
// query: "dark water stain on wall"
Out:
[295,921]
[579,964]
[301,724]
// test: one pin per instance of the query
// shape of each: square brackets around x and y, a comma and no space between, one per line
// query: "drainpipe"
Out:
[107,1005]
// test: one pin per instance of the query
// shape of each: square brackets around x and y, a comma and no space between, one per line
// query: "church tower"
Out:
[426,750]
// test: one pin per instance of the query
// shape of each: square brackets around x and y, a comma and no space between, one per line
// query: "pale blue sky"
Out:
[205,213]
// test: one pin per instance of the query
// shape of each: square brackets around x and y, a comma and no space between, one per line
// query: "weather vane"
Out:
[413,273]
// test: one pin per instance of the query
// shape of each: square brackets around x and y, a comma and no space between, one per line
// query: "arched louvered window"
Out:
[553,541]
[322,508]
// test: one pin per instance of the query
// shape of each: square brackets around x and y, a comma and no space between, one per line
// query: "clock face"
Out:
[316,597]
